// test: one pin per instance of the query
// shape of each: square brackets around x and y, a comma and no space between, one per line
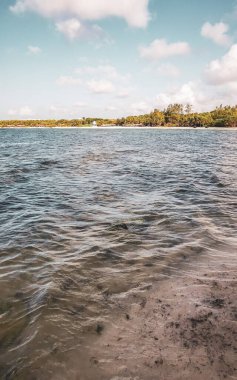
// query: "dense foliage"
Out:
[84,122]
[175,115]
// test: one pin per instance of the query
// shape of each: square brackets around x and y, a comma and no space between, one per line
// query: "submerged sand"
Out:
[182,328]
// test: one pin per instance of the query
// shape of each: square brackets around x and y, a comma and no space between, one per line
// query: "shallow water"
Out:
[90,215]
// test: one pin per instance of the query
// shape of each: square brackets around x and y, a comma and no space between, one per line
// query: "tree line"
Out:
[175,115]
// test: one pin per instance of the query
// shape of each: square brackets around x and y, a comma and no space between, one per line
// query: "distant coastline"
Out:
[174,116]
[118,127]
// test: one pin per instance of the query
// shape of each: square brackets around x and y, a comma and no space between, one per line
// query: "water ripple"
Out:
[89,215]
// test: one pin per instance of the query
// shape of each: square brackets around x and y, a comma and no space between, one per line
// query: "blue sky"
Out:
[111,58]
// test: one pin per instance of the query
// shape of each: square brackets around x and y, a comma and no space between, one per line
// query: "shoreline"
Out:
[183,328]
[121,127]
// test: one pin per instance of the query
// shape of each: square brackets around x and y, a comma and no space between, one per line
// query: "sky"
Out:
[112,58]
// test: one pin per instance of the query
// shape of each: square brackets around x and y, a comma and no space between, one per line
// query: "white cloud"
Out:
[160,49]
[12,112]
[80,104]
[100,37]
[71,28]
[190,92]
[53,108]
[35,50]
[26,111]
[72,111]
[100,79]
[106,71]
[100,86]
[124,93]
[68,81]
[22,112]
[202,96]
[223,70]
[110,108]
[141,107]
[134,12]
[217,33]
[168,70]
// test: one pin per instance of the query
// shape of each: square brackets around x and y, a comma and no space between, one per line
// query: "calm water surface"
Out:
[87,216]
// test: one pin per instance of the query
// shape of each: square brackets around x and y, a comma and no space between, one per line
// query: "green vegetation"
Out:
[175,115]
[84,122]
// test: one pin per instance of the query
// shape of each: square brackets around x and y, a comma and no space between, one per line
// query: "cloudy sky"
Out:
[109,58]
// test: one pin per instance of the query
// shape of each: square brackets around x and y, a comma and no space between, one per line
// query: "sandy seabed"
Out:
[178,329]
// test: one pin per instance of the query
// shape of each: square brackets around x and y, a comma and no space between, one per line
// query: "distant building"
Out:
[94,124]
